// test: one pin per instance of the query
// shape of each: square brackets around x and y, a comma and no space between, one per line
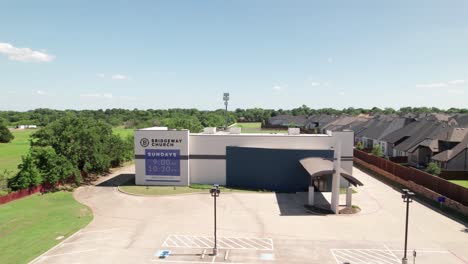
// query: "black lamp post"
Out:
[407,198]
[215,191]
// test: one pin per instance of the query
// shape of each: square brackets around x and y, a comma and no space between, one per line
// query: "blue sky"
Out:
[271,54]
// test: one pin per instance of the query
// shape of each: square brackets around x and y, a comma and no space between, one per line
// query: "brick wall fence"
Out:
[418,181]
[45,187]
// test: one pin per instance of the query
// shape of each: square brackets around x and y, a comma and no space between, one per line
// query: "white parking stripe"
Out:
[393,254]
[364,256]
[184,241]
[377,256]
[347,257]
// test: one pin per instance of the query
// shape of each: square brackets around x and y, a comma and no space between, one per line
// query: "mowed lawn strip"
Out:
[256,127]
[30,226]
[10,153]
[131,188]
[463,183]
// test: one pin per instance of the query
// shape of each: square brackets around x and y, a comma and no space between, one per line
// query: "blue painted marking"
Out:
[441,199]
[162,254]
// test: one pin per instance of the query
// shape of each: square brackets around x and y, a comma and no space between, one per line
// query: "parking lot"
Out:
[257,228]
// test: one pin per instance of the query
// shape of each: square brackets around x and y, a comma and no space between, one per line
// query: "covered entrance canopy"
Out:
[317,167]
[323,167]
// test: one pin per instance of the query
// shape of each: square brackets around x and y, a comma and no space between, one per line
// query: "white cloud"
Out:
[330,60]
[315,84]
[97,95]
[431,85]
[342,93]
[456,82]
[119,77]
[277,88]
[39,92]
[101,75]
[24,54]
[440,84]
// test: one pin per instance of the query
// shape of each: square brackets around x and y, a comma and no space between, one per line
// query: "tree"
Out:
[28,175]
[52,166]
[5,134]
[377,150]
[87,143]
[433,168]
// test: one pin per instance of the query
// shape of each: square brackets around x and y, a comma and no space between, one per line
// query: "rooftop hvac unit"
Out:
[294,131]
[209,130]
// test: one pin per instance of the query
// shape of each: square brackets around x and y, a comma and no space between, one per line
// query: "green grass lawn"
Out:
[10,153]
[123,132]
[463,183]
[30,226]
[256,127]
[130,187]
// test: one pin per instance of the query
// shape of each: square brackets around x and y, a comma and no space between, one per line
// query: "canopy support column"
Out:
[335,198]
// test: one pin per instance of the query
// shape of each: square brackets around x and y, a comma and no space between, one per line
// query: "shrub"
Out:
[52,166]
[377,151]
[28,176]
[5,135]
[433,168]
[360,146]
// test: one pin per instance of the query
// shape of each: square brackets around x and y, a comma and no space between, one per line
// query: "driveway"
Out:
[256,228]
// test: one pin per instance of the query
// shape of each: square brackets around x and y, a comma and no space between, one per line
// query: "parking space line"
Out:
[347,257]
[378,257]
[247,243]
[393,254]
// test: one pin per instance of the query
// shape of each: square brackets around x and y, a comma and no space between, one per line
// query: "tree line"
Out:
[193,119]
[70,149]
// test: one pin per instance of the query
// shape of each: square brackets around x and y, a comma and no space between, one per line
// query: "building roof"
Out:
[414,133]
[342,122]
[323,167]
[319,120]
[286,120]
[451,153]
[448,134]
[382,125]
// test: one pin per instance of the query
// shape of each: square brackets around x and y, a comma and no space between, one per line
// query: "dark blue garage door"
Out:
[269,169]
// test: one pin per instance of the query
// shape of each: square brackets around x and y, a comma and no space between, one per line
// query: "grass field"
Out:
[463,183]
[130,187]
[30,226]
[10,153]
[256,127]
[123,132]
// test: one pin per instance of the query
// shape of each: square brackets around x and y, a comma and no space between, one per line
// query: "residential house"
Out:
[377,128]
[455,159]
[287,120]
[445,139]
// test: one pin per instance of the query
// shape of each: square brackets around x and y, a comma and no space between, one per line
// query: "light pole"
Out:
[215,191]
[407,198]
[226,99]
